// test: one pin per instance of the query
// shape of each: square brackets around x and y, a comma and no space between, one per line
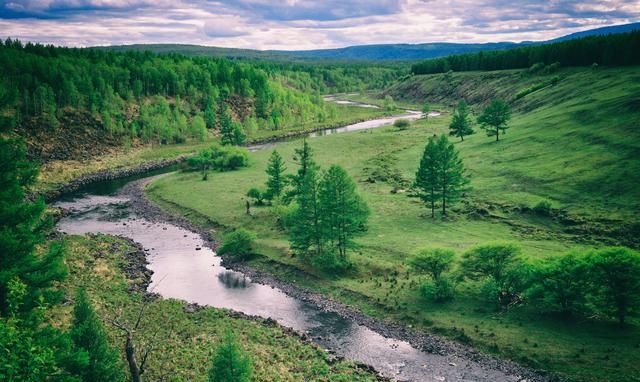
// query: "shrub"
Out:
[433,261]
[330,261]
[439,290]
[238,244]
[543,208]
[257,196]
[402,124]
[230,363]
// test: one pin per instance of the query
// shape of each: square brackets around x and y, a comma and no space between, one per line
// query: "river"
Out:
[184,268]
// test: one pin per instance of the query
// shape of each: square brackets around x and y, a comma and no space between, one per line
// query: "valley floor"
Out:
[538,160]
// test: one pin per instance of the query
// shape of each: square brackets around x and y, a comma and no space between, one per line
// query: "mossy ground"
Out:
[575,145]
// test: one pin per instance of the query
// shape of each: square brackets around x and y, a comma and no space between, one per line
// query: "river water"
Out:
[184,268]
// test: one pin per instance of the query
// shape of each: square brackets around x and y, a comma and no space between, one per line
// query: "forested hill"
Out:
[611,50]
[375,52]
[71,103]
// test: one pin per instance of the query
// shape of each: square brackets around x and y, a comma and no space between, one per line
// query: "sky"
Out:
[303,24]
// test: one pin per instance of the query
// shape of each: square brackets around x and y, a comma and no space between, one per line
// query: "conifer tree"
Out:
[89,335]
[275,171]
[461,123]
[230,363]
[344,212]
[494,118]
[427,176]
[452,178]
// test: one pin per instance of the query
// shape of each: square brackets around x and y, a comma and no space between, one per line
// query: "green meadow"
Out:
[574,145]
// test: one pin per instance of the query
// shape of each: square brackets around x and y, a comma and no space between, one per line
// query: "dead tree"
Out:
[136,369]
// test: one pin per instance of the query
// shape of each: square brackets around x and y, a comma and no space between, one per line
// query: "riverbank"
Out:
[429,343]
[114,273]
[382,286]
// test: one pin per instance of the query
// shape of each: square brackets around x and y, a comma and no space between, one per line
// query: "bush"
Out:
[331,261]
[402,124]
[543,208]
[228,158]
[433,261]
[440,290]
[238,244]
[257,196]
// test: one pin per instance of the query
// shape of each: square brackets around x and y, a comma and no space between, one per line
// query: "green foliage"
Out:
[494,118]
[426,109]
[610,50]
[439,290]
[343,212]
[198,128]
[89,335]
[219,158]
[389,104]
[461,122]
[276,181]
[305,233]
[257,196]
[432,261]
[402,124]
[238,244]
[614,275]
[22,226]
[499,265]
[560,284]
[441,175]
[230,363]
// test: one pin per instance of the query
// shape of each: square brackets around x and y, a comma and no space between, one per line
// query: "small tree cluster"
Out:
[441,177]
[219,158]
[329,212]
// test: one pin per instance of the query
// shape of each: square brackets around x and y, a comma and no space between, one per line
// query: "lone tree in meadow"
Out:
[461,123]
[494,119]
[230,363]
[276,181]
[426,109]
[344,212]
[441,176]
[427,176]
[452,179]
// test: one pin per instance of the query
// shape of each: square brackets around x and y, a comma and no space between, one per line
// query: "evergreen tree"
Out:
[427,176]
[88,335]
[210,117]
[275,171]
[230,363]
[22,226]
[494,118]
[344,212]
[305,232]
[461,123]
[451,173]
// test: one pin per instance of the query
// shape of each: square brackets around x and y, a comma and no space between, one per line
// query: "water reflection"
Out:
[233,280]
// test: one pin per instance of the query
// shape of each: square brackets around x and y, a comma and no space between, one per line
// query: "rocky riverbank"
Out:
[141,206]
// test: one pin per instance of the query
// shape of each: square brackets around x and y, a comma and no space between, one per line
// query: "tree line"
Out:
[621,49]
[602,282]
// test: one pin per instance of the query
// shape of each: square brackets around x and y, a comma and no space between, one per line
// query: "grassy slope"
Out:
[184,341]
[59,172]
[553,151]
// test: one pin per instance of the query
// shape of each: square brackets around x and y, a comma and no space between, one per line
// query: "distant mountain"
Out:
[378,52]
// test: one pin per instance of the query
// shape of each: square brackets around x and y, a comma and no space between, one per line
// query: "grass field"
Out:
[573,144]
[184,342]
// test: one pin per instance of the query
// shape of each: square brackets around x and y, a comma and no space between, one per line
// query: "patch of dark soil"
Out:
[80,136]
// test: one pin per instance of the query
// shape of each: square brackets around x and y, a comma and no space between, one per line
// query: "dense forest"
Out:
[165,98]
[611,50]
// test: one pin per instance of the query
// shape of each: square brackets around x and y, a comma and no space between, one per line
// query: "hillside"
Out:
[574,142]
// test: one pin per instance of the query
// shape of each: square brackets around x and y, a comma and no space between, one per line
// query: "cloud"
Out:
[303,24]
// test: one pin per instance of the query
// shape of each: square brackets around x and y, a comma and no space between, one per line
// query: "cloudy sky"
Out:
[303,24]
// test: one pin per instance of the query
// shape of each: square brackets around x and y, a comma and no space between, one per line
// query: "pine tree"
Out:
[21,228]
[494,118]
[88,334]
[230,363]
[275,171]
[461,123]
[344,212]
[305,223]
[427,176]
[452,178]
[226,127]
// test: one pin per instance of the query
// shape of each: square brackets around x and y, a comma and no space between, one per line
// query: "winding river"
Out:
[184,268]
